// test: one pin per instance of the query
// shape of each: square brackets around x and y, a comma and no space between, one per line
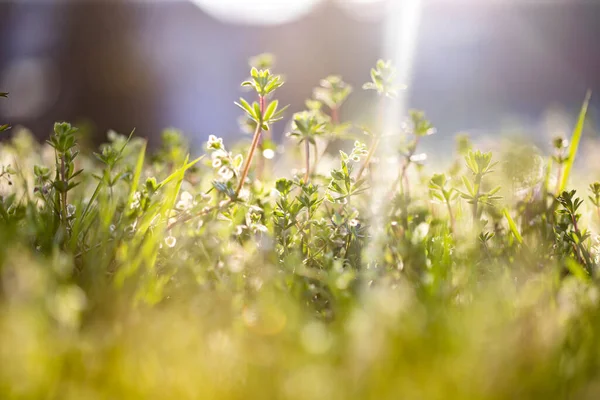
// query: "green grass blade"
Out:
[575,142]
[184,168]
[137,173]
[513,227]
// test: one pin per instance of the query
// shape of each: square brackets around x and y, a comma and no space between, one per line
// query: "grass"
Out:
[129,274]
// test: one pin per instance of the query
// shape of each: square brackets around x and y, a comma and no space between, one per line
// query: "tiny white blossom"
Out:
[216,162]
[186,201]
[226,173]
[214,142]
[353,222]
[70,210]
[220,153]
[170,241]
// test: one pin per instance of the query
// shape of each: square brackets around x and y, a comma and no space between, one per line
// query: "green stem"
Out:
[369,156]
[307,160]
[64,193]
[450,216]
[476,197]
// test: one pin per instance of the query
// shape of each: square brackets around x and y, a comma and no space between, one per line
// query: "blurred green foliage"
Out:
[133,276]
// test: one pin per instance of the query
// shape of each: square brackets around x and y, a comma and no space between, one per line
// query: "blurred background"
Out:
[476,66]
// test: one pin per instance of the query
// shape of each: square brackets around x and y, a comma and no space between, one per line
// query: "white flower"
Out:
[219,154]
[170,241]
[226,173]
[70,210]
[186,201]
[353,222]
[216,162]
[214,142]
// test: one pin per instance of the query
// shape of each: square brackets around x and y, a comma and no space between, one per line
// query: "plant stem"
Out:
[199,214]
[335,116]
[307,165]
[476,197]
[64,193]
[316,156]
[450,216]
[369,156]
[558,178]
[253,146]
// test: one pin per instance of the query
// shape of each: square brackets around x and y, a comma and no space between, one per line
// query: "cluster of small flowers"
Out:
[359,150]
[227,165]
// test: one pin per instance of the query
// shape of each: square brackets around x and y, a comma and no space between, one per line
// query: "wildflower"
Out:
[216,162]
[170,241]
[220,153]
[186,201]
[214,142]
[226,173]
[70,210]
[353,223]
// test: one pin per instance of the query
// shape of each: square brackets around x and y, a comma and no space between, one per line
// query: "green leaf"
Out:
[271,108]
[244,105]
[575,138]
[468,185]
[513,226]
[182,169]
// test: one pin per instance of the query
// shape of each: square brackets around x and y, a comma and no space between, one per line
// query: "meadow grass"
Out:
[136,274]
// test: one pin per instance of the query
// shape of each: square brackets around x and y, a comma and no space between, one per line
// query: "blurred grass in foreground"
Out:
[149,276]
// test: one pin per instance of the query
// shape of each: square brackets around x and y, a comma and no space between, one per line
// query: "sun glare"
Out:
[260,12]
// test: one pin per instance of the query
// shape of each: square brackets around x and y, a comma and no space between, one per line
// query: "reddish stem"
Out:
[335,116]
[253,146]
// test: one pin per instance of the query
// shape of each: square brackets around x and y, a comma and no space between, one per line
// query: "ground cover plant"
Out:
[251,273]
